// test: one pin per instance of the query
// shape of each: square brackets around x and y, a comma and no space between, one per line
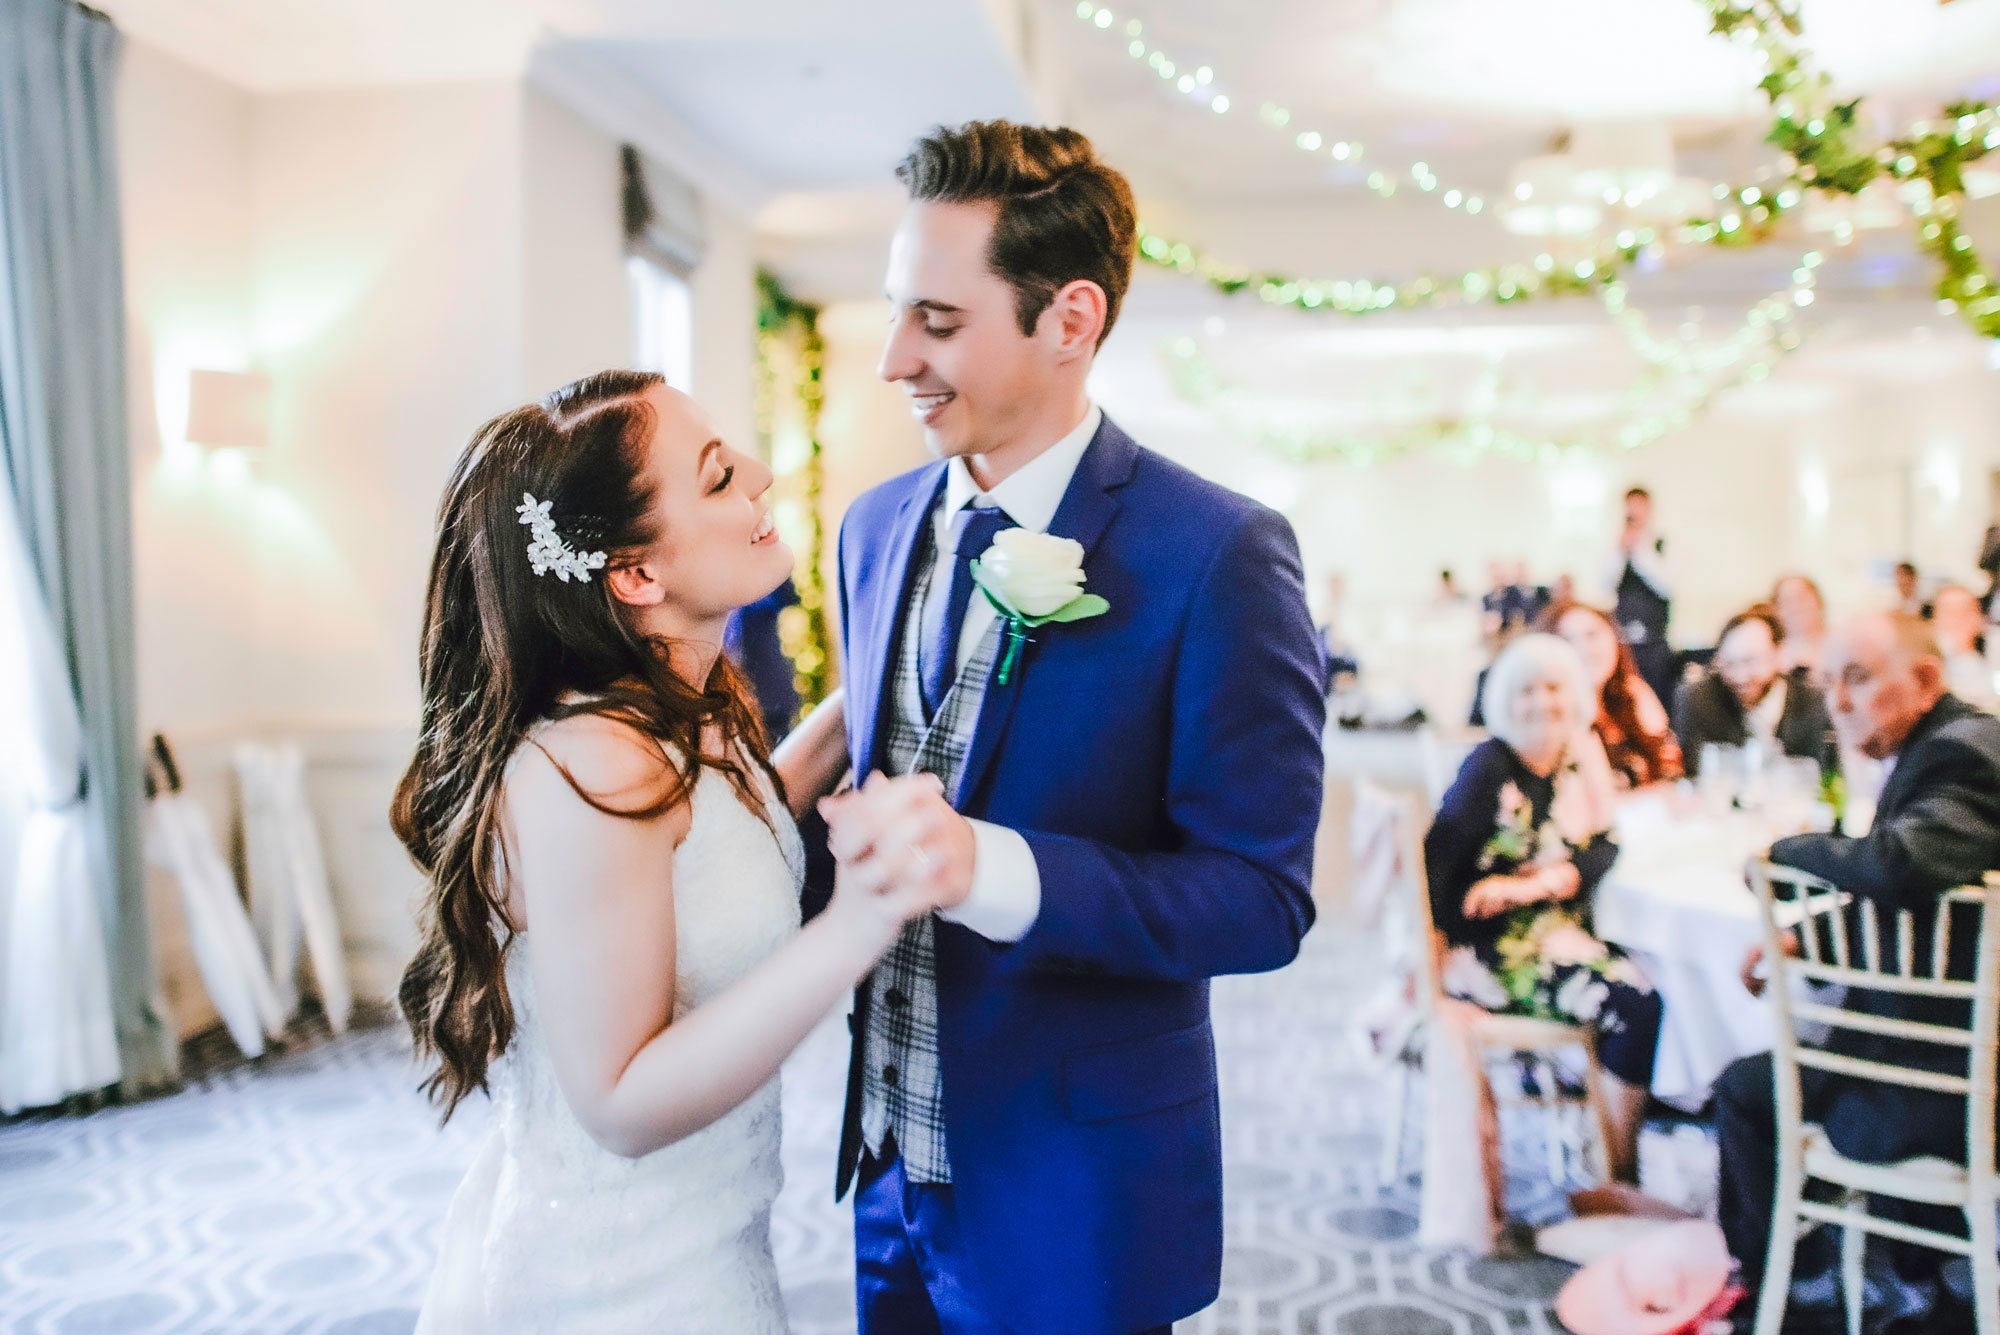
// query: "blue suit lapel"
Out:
[1087,510]
[881,629]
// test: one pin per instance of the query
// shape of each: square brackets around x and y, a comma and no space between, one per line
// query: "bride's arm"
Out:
[599,903]
[813,755]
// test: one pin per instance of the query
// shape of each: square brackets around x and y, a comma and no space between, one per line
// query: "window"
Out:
[662,321]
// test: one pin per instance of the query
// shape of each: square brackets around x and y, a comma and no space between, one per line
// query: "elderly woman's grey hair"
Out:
[1530,658]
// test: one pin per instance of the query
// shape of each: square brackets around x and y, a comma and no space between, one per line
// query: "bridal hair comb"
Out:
[548,552]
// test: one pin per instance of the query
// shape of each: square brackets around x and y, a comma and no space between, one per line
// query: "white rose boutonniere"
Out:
[1033,579]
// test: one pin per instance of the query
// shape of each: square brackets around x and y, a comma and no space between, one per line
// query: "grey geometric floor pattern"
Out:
[301,1196]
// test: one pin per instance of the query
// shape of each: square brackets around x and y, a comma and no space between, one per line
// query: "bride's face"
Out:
[718,549]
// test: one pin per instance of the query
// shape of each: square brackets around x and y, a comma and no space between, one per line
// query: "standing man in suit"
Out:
[1937,827]
[1117,809]
[1638,579]
[1746,695]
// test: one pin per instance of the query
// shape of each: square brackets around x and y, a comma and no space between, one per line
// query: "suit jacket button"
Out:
[894,996]
[889,1076]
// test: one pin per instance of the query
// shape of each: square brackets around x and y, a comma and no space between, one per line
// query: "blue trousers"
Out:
[909,1264]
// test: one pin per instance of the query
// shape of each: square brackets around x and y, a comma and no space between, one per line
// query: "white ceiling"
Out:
[809,103]
[831,111]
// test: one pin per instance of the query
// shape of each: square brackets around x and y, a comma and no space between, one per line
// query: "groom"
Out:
[1127,809]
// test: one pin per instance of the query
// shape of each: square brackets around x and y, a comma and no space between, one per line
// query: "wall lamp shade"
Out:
[229,410]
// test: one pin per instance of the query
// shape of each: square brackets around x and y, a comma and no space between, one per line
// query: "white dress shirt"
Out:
[1648,562]
[1006,895]
[1762,719]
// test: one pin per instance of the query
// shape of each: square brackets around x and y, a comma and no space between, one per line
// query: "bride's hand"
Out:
[873,914]
[901,836]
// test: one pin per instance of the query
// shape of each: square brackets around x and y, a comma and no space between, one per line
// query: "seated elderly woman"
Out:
[1515,855]
[1628,717]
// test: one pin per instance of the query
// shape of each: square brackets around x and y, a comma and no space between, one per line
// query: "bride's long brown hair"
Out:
[503,648]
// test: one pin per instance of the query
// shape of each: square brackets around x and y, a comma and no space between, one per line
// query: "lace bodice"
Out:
[553,1232]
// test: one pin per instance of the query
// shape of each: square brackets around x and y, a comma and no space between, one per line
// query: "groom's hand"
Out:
[901,832]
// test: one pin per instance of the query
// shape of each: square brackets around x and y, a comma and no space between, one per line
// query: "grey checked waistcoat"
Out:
[902,1092]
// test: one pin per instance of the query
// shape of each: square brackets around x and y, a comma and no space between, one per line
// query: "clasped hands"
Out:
[898,838]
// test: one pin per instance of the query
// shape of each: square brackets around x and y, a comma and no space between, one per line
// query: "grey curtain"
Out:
[63,444]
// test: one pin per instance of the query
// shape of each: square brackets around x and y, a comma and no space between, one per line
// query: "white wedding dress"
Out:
[552,1232]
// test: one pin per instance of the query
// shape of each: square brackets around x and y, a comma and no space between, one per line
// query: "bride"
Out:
[610,939]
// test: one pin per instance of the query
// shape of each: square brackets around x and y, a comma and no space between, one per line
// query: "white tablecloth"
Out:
[1678,902]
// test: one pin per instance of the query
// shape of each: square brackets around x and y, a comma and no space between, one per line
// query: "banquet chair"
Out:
[1437,766]
[1520,1035]
[1829,955]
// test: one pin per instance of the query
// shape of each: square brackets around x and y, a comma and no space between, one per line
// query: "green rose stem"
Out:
[1016,625]
[1012,638]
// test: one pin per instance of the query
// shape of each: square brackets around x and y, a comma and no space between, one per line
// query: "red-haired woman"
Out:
[1631,722]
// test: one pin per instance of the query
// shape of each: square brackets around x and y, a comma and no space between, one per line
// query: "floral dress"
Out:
[1541,959]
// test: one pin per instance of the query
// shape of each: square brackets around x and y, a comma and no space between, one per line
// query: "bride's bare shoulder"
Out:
[605,762]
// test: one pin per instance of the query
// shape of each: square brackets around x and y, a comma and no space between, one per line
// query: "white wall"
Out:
[184,172]
[866,432]
[390,317]
[578,315]
[725,324]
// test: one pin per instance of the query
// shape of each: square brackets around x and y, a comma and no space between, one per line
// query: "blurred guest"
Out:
[1746,696]
[1515,856]
[1960,627]
[1562,591]
[1511,603]
[1528,599]
[1909,591]
[1631,722]
[1448,593]
[1638,577]
[1937,826]
[1493,603]
[1337,658]
[1989,562]
[1801,609]
[752,642]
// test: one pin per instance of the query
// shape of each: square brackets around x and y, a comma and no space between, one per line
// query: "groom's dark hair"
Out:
[1062,213]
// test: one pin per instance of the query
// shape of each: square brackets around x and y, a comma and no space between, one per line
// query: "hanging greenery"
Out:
[1501,284]
[790,359]
[1824,151]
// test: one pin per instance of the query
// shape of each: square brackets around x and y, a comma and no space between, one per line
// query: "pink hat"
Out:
[1674,1279]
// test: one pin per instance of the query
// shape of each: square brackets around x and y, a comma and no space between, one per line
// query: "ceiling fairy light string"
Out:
[1199,83]
[1467,434]
[1688,372]
[1823,159]
[1925,166]
[1546,275]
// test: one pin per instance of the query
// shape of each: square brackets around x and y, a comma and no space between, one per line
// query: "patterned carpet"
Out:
[301,1196]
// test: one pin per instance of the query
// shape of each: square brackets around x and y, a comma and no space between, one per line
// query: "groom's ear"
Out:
[1075,318]
[635,586]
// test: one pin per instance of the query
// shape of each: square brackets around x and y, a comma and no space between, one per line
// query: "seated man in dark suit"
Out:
[1746,695]
[1937,826]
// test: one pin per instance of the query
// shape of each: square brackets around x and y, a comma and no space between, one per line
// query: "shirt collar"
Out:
[1031,495]
[1769,711]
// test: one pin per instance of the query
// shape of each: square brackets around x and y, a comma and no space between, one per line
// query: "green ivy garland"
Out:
[1821,140]
[789,350]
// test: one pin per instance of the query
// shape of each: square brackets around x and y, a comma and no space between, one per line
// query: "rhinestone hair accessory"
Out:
[548,552]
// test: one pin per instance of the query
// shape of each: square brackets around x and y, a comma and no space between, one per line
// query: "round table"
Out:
[1678,902]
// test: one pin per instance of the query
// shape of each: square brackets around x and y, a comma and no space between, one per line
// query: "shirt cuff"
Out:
[1006,895]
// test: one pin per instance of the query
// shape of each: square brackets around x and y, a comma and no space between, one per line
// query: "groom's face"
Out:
[955,344]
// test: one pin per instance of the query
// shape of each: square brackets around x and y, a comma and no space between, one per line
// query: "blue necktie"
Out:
[972,532]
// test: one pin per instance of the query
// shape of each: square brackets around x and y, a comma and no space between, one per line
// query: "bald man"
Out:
[1937,826]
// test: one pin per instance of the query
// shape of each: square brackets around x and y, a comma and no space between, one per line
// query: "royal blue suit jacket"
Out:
[1163,762]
